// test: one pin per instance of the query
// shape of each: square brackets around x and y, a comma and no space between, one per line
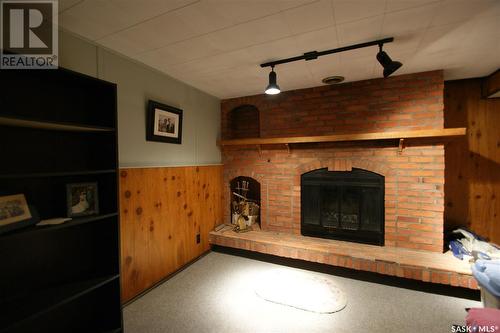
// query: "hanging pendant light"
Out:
[272,88]
[389,65]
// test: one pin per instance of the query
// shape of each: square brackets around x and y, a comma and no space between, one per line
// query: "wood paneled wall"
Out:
[162,212]
[472,187]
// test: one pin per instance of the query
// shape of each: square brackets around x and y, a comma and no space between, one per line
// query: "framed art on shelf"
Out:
[163,123]
[16,213]
[82,199]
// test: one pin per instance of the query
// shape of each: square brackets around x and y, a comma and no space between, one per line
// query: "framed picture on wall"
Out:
[82,199]
[163,123]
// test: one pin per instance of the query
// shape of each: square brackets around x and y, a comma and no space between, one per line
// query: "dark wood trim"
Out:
[491,85]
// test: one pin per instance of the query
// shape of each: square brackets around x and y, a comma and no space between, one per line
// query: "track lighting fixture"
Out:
[383,58]
[389,65]
[272,88]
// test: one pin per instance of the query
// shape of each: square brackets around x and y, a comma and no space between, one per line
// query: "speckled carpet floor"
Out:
[217,294]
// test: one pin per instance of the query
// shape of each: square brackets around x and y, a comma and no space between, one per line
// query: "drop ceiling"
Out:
[217,45]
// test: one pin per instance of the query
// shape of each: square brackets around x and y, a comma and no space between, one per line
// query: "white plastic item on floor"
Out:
[487,274]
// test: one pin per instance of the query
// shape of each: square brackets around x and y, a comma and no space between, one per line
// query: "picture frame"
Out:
[82,199]
[163,123]
[15,213]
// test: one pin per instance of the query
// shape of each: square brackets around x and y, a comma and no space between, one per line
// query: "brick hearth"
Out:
[425,266]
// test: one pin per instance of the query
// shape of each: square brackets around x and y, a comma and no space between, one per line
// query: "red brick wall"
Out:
[414,195]
[412,101]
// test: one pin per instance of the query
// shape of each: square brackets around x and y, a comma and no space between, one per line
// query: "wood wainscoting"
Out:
[162,212]
[472,190]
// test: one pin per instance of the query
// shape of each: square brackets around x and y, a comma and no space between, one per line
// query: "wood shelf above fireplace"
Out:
[401,135]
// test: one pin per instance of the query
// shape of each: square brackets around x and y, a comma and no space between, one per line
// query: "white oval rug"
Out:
[301,290]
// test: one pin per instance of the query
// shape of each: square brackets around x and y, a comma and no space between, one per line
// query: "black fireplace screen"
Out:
[344,205]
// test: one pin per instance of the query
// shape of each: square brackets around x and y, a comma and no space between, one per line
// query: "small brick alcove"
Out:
[414,177]
[243,122]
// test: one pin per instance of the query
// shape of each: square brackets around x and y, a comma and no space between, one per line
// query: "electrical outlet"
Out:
[198,239]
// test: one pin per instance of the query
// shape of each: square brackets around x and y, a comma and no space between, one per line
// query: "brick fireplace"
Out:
[414,175]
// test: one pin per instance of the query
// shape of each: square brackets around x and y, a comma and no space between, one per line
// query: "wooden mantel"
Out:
[401,135]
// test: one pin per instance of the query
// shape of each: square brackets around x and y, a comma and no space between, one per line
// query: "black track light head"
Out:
[389,65]
[272,88]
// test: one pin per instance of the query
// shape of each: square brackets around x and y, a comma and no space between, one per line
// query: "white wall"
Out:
[136,84]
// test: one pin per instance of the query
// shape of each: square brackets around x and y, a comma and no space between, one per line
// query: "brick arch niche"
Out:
[253,193]
[244,122]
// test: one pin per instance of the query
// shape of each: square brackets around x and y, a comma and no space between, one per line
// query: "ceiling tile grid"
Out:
[218,45]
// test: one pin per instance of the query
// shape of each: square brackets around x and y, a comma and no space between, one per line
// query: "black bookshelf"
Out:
[59,127]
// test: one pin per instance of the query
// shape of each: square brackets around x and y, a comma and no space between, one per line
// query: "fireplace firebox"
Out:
[343,205]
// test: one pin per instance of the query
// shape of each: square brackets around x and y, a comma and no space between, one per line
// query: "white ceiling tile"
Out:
[395,5]
[182,52]
[324,66]
[366,52]
[460,11]
[96,19]
[238,11]
[291,74]
[438,49]
[254,81]
[404,43]
[417,65]
[409,20]
[210,66]
[279,49]
[93,19]
[217,45]
[65,4]
[247,34]
[123,44]
[469,71]
[442,41]
[202,17]
[470,37]
[155,33]
[310,17]
[355,76]
[363,30]
[287,4]
[152,59]
[354,67]
[352,10]
[482,34]
[320,40]
[138,11]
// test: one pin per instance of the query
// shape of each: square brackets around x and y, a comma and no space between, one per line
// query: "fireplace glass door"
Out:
[347,205]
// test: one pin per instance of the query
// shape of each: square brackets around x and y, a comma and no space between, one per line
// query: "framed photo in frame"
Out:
[16,213]
[163,123]
[82,199]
